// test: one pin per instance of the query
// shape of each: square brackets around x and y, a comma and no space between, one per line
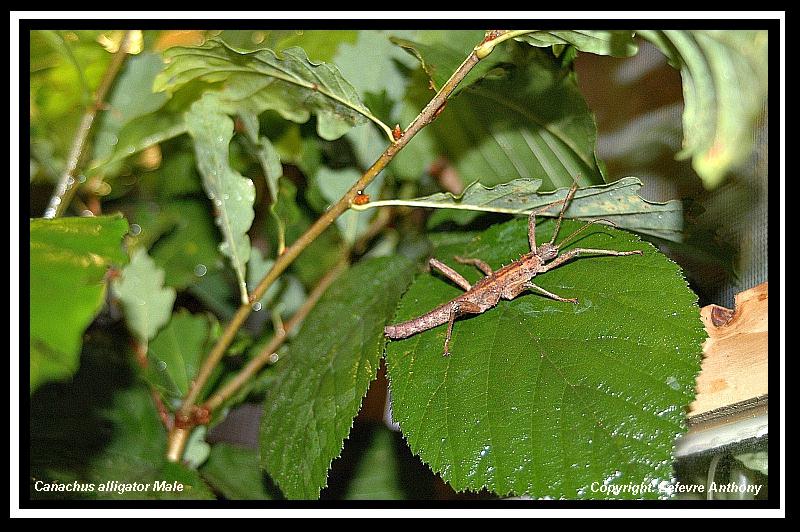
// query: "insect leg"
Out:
[478,263]
[573,253]
[450,273]
[458,309]
[532,231]
[542,291]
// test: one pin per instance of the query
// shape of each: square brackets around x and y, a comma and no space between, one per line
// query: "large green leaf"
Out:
[531,122]
[291,85]
[232,194]
[617,202]
[175,354]
[309,409]
[234,472]
[725,84]
[618,43]
[140,289]
[547,398]
[69,260]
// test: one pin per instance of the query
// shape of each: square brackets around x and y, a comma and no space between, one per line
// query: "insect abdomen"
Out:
[434,318]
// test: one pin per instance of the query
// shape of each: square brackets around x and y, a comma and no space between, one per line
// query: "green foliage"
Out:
[140,289]
[69,260]
[376,477]
[538,397]
[231,194]
[132,98]
[234,472]
[542,397]
[101,428]
[174,355]
[291,85]
[725,85]
[309,409]
[530,121]
[617,202]
[66,66]
[618,43]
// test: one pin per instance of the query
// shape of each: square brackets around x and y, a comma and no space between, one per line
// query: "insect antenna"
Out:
[564,205]
[602,221]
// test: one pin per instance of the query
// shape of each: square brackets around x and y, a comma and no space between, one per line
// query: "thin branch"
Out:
[266,355]
[67,185]
[425,117]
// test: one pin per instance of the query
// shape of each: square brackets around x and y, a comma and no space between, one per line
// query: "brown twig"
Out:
[266,355]
[67,185]
[425,117]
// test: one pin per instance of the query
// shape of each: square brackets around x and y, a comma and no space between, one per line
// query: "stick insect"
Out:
[507,283]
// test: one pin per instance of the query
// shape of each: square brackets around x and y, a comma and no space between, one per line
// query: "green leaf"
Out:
[309,409]
[543,397]
[69,260]
[441,52]
[532,122]
[140,289]
[386,60]
[270,162]
[291,85]
[618,202]
[376,476]
[618,43]
[234,472]
[65,68]
[133,97]
[190,249]
[176,352]
[725,82]
[232,194]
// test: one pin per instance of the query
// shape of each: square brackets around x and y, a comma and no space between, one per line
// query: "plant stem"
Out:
[425,117]
[67,185]
[266,354]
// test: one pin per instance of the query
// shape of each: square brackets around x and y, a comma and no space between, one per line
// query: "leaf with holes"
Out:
[69,261]
[309,409]
[618,43]
[617,202]
[548,398]
[232,194]
[289,84]
[724,76]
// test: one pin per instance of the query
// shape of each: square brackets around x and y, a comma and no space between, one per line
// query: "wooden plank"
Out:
[734,369]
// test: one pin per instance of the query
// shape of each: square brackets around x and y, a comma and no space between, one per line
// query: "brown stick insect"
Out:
[507,283]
